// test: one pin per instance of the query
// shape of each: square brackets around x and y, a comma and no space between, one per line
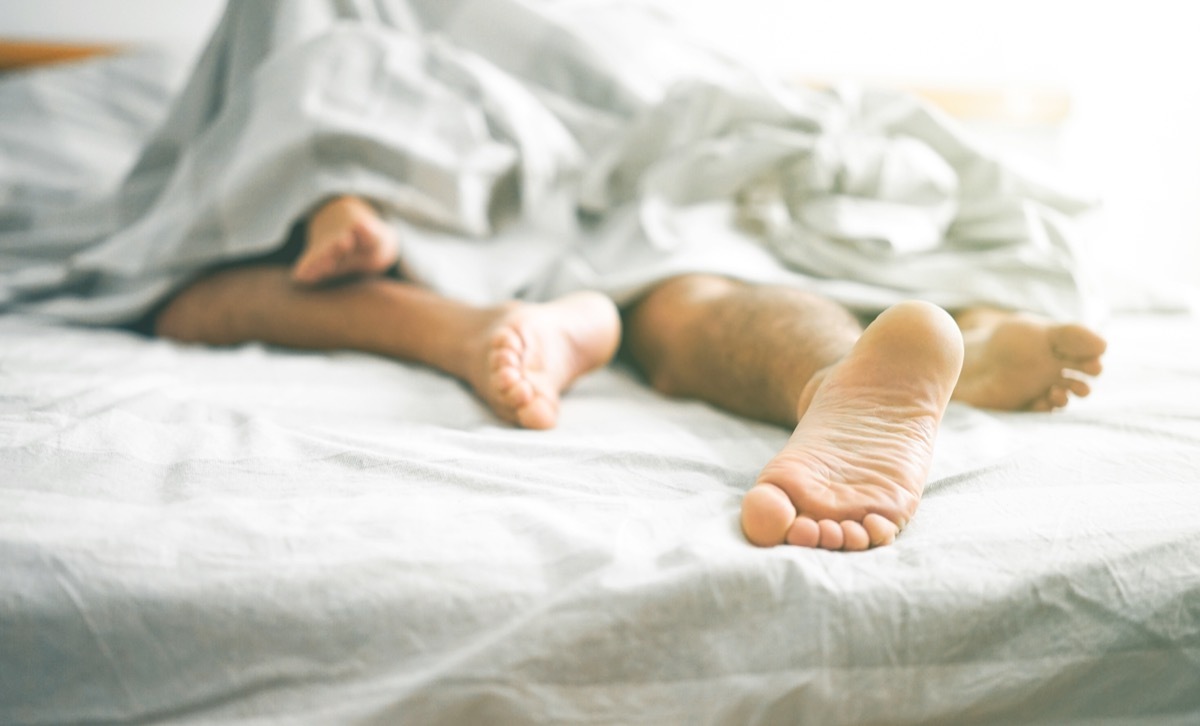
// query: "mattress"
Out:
[259,535]
[253,535]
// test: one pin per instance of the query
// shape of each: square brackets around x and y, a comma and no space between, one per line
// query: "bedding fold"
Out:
[546,147]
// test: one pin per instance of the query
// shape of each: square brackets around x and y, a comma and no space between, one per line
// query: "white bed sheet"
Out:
[255,535]
[263,536]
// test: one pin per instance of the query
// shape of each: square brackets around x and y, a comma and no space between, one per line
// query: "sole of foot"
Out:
[534,352]
[851,475]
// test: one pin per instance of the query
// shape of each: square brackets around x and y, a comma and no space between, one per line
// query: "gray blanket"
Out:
[528,148]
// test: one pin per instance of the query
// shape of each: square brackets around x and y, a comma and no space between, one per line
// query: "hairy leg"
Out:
[865,405]
[518,357]
[746,348]
[344,238]
[1023,362]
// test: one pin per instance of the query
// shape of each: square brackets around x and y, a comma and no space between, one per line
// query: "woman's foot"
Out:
[851,475]
[1023,362]
[530,353]
[345,237]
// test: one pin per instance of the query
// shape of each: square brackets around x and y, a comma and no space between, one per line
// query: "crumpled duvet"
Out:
[528,148]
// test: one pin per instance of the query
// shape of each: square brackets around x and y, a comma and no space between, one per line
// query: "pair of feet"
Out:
[851,475]
[525,355]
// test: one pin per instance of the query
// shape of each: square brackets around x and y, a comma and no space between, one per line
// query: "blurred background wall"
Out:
[1129,69]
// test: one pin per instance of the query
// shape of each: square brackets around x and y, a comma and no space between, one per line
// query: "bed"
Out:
[253,535]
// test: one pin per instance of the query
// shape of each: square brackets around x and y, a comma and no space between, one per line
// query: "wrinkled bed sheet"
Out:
[257,535]
[254,535]
[530,148]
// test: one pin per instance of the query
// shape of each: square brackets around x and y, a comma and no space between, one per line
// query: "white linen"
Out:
[505,120]
[255,535]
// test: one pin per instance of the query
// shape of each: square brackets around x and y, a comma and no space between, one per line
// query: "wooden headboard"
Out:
[23,53]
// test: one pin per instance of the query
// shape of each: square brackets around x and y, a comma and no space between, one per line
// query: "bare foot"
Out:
[345,237]
[851,475]
[531,353]
[1022,362]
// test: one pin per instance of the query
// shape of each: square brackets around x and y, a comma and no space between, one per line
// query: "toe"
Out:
[854,536]
[508,339]
[364,237]
[831,535]
[300,272]
[1077,387]
[501,358]
[804,532]
[310,268]
[518,394]
[767,515]
[880,529]
[539,413]
[338,257]
[503,379]
[1074,341]
[1057,396]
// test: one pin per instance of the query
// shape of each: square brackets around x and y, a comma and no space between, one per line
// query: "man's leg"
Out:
[865,405]
[517,357]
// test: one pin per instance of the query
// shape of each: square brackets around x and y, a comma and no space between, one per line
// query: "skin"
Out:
[517,357]
[864,405]
[345,237]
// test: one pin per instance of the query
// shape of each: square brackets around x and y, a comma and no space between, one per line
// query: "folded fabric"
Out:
[526,148]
